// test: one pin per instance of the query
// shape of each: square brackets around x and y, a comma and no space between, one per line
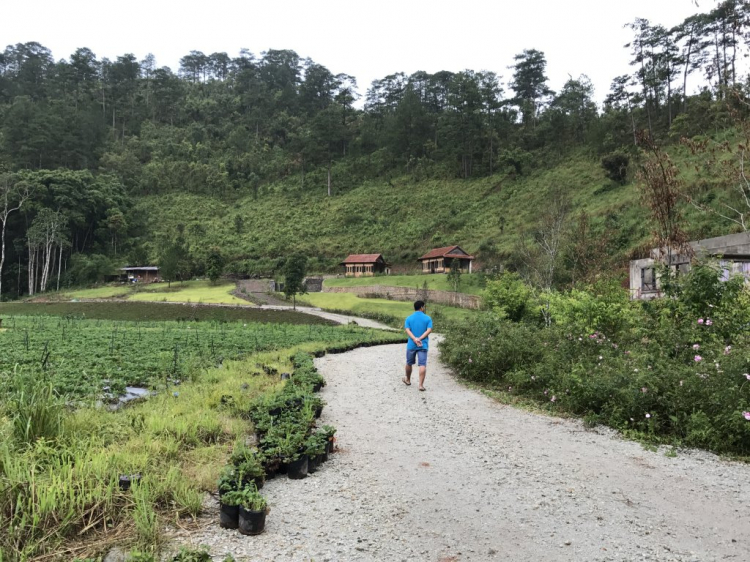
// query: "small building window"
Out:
[648,279]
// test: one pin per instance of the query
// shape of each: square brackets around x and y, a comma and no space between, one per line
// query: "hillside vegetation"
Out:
[403,218]
[232,164]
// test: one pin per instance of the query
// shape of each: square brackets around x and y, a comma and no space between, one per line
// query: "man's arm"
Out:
[416,340]
[427,333]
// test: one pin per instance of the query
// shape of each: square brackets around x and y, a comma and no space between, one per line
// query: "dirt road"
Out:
[451,475]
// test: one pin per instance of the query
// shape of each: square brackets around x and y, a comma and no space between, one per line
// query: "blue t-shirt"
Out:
[418,324]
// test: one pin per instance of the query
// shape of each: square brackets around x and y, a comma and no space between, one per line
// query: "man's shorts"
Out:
[412,355]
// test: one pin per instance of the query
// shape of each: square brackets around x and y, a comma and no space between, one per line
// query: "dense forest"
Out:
[93,150]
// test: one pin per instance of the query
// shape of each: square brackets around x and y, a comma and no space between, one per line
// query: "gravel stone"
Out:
[451,475]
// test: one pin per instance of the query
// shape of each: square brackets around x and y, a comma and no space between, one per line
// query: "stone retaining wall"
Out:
[409,294]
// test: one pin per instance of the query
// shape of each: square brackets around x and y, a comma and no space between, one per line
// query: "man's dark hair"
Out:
[419,305]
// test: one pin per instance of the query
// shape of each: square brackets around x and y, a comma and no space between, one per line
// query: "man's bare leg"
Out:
[422,374]
[407,379]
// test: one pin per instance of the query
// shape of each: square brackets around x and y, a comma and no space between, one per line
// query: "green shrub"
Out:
[676,367]
[507,295]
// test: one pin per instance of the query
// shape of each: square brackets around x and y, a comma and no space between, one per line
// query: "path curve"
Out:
[451,475]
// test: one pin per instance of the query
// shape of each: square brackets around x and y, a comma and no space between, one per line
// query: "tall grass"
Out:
[37,412]
[60,468]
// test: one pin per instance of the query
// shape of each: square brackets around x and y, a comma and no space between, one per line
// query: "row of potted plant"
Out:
[288,443]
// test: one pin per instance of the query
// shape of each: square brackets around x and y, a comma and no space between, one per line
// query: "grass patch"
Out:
[472,284]
[141,311]
[60,468]
[352,304]
[190,292]
[106,292]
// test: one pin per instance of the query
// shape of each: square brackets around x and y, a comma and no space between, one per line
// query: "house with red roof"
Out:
[442,260]
[365,265]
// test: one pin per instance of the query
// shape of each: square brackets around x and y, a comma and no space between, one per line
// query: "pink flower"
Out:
[727,350]
[681,383]
[709,321]
[510,388]
[533,378]
[700,321]
[470,361]
[746,415]
[747,376]
[648,416]
[698,359]
[696,346]
[553,398]
[644,390]
[545,393]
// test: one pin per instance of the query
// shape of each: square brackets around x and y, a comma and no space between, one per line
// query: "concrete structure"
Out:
[365,265]
[733,252]
[409,294]
[142,274]
[441,260]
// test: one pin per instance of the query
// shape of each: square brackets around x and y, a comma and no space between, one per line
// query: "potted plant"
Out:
[248,465]
[315,447]
[252,511]
[229,513]
[293,454]
[330,432]
[228,481]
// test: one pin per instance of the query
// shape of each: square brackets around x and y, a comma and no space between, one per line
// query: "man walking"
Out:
[418,328]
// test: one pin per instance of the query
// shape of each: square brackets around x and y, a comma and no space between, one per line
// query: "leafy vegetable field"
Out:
[138,311]
[83,356]
[63,458]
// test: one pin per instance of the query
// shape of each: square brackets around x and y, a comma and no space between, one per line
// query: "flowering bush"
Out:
[660,371]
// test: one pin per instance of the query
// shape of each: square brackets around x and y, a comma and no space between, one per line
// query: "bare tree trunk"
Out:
[59,266]
[687,68]
[5,212]
[329,177]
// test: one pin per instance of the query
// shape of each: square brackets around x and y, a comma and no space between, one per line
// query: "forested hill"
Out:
[250,158]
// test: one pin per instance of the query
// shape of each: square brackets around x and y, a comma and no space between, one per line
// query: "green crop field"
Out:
[81,356]
[469,283]
[143,311]
[63,455]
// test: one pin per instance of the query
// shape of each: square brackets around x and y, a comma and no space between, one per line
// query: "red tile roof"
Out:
[446,253]
[363,258]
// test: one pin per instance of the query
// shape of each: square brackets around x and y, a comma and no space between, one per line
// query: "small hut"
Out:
[442,260]
[142,274]
[365,265]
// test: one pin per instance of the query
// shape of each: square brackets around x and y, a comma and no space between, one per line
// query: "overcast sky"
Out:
[367,40]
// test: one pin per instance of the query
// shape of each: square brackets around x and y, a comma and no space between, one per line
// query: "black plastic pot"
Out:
[324,456]
[274,412]
[229,516]
[318,412]
[126,480]
[331,447]
[317,387]
[285,376]
[259,481]
[296,470]
[313,463]
[251,522]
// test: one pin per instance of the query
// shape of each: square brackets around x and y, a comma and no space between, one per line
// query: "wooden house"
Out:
[442,260]
[142,274]
[365,265]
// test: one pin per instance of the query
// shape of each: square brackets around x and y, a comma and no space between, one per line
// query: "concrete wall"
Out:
[408,294]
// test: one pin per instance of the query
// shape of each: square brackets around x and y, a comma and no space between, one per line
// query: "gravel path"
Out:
[451,475]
